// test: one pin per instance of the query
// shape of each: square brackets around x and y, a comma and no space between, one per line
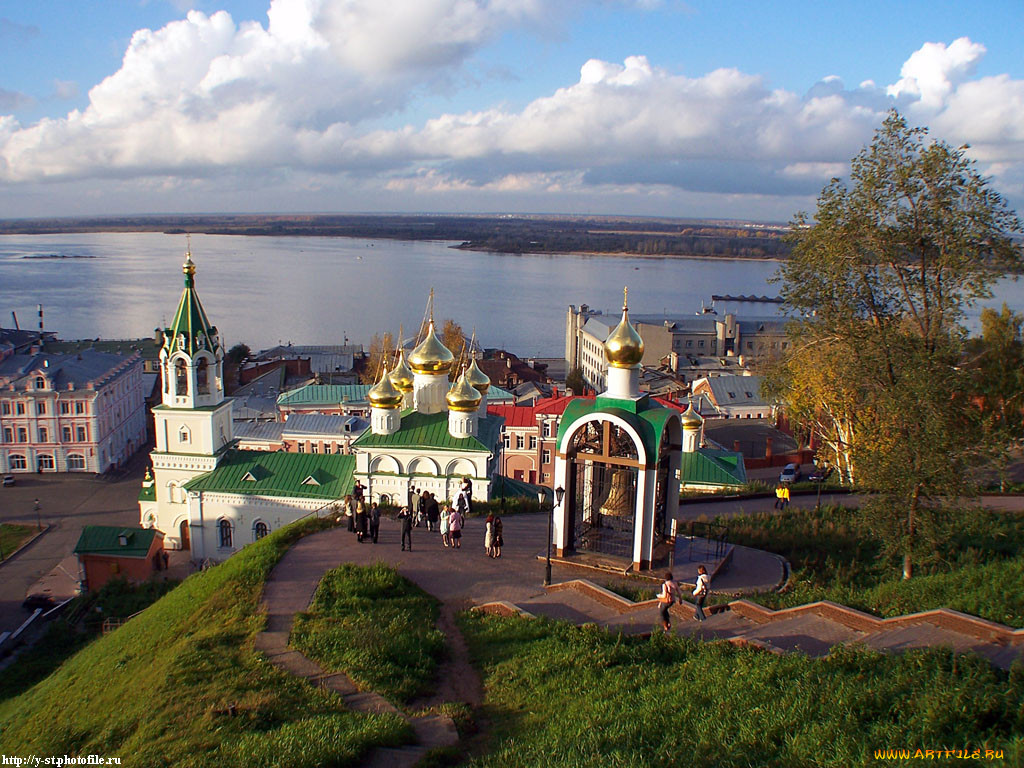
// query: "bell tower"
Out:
[193,421]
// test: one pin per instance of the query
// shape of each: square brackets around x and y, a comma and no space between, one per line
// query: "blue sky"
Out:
[718,109]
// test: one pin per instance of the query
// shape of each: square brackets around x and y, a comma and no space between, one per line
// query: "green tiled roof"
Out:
[646,417]
[707,466]
[104,540]
[280,474]
[431,431]
[148,494]
[312,395]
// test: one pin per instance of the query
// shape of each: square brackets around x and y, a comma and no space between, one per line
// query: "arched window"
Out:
[18,461]
[184,436]
[75,462]
[180,377]
[40,382]
[259,530]
[224,533]
[203,377]
[45,462]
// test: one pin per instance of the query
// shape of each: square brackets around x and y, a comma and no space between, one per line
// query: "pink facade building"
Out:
[80,412]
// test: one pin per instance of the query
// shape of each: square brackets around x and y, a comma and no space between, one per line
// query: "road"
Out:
[67,503]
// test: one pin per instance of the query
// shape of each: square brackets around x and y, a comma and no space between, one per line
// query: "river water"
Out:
[322,290]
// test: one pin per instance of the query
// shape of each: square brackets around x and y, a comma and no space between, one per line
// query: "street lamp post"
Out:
[39,523]
[541,496]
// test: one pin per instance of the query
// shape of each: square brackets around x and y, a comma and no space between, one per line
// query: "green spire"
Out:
[191,330]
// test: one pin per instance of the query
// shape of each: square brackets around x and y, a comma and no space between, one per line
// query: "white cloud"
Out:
[206,98]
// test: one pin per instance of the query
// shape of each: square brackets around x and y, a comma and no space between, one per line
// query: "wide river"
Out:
[322,290]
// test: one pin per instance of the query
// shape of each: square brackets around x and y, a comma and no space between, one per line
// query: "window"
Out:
[19,408]
[183,435]
[545,456]
[547,429]
[5,408]
[65,434]
[45,462]
[302,447]
[520,442]
[180,377]
[40,382]
[224,533]
[40,408]
[22,435]
[65,408]
[700,343]
[82,437]
[75,462]
[8,435]
[689,342]
[79,407]
[44,435]
[507,439]
[18,462]
[259,530]
[314,447]
[533,442]
[203,377]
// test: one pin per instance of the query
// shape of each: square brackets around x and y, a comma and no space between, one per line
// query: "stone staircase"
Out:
[813,629]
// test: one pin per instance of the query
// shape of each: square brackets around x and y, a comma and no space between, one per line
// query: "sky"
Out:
[731,109]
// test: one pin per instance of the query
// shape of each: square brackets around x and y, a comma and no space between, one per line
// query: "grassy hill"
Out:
[180,685]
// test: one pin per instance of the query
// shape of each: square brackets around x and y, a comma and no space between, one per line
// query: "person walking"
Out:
[414,504]
[350,512]
[374,521]
[357,491]
[421,508]
[433,512]
[445,520]
[455,523]
[778,496]
[700,592]
[489,535]
[785,497]
[405,518]
[498,541]
[669,594]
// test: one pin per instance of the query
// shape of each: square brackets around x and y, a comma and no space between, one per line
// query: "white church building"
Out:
[210,498]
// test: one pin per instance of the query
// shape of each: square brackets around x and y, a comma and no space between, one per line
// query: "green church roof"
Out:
[324,476]
[312,395]
[148,493]
[646,417]
[191,329]
[430,431]
[712,467]
[106,540]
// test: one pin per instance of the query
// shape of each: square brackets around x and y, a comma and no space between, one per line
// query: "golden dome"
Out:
[624,348]
[431,356]
[384,394]
[691,419]
[463,396]
[477,378]
[401,377]
[189,267]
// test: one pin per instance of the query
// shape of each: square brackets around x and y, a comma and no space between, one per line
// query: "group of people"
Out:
[363,521]
[670,594]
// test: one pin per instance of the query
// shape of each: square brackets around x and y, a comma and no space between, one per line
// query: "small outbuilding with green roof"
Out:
[107,552]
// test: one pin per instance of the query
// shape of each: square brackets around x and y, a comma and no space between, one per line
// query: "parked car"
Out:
[820,474]
[8,481]
[790,473]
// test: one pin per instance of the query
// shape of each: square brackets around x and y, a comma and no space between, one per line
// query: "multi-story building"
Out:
[81,412]
[528,438]
[678,341]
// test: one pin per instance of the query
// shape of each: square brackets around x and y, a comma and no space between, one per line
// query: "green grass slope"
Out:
[161,690]
[559,695]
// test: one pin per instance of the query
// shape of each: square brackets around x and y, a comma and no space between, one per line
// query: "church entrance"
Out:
[183,528]
[603,476]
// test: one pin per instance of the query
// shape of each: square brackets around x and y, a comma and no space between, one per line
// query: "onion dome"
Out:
[477,378]
[401,377]
[691,419]
[431,356]
[384,394]
[624,348]
[463,396]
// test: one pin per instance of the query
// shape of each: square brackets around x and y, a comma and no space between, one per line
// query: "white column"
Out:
[429,391]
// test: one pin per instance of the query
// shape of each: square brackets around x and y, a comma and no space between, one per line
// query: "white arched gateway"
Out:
[618,461]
